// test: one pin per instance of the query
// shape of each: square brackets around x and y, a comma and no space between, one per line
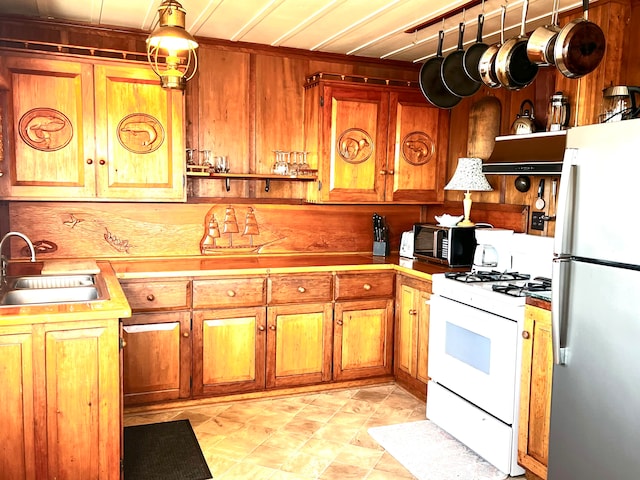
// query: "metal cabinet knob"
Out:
[412,311]
[102,162]
[302,289]
[391,172]
[261,328]
[383,172]
[525,334]
[366,286]
[231,293]
[272,328]
[89,161]
[185,334]
[340,322]
[151,297]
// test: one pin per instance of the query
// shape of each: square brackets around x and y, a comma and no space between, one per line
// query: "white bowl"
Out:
[447,220]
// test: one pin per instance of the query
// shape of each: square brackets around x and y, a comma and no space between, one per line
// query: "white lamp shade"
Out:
[469,177]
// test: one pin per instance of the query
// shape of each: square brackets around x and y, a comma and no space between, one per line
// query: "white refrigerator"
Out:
[595,401]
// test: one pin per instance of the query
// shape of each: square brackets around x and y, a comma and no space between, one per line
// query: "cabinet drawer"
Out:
[157,295]
[229,292]
[299,288]
[364,285]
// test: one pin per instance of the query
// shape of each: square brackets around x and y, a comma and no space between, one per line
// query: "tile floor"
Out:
[313,436]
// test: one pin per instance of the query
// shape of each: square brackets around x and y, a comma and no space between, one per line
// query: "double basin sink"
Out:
[48,289]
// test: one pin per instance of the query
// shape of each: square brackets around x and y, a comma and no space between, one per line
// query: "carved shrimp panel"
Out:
[45,129]
[140,133]
[354,145]
[417,148]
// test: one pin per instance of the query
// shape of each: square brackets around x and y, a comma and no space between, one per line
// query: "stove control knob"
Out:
[525,334]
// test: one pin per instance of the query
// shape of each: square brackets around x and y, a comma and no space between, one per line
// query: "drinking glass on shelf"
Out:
[206,158]
[304,166]
[222,164]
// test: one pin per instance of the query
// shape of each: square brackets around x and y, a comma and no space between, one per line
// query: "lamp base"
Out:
[465,223]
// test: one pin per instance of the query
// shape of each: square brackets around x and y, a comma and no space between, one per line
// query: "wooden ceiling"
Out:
[369,28]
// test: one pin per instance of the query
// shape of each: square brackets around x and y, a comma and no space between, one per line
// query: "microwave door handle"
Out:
[435,243]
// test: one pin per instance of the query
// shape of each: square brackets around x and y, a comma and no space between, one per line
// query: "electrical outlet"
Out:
[537,221]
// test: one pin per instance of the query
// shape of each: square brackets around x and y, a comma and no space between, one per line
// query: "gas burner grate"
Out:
[539,284]
[486,276]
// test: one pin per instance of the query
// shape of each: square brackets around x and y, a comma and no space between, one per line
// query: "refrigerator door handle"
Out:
[564,211]
[558,310]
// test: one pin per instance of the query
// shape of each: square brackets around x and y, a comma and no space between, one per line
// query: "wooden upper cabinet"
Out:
[374,143]
[81,131]
[51,128]
[140,135]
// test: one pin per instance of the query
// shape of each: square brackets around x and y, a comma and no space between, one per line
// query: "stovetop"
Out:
[501,293]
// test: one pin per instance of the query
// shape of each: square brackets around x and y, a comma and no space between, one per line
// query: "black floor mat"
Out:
[163,451]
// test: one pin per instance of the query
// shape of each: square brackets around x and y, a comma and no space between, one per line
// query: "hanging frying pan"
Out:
[580,46]
[513,67]
[431,80]
[474,53]
[452,71]
[542,41]
[487,63]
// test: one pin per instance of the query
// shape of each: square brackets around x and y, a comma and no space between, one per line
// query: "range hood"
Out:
[532,153]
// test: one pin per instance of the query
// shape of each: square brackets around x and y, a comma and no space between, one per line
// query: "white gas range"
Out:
[475,346]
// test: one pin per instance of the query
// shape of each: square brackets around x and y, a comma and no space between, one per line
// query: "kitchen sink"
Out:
[43,289]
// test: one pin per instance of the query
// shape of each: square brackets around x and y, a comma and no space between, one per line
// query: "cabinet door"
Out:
[139,135]
[412,334]
[157,357]
[363,339]
[229,350]
[82,378]
[299,341]
[51,129]
[417,150]
[17,455]
[355,144]
[535,391]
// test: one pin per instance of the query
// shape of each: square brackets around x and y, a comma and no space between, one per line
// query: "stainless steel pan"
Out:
[580,46]
[513,67]
[542,41]
[487,63]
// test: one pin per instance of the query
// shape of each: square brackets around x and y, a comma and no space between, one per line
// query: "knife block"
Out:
[380,249]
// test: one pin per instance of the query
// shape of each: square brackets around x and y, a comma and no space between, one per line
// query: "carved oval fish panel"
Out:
[45,129]
[140,133]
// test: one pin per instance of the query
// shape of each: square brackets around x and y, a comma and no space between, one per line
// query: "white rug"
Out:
[430,453]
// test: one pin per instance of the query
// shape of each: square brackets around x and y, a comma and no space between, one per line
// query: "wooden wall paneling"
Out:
[630,60]
[279,117]
[224,115]
[129,230]
[514,217]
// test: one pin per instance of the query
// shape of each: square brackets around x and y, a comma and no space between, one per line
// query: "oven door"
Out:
[473,353]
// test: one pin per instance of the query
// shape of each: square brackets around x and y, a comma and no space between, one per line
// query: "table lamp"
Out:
[468,177]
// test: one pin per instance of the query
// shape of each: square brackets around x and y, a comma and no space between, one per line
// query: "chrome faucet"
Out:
[3,259]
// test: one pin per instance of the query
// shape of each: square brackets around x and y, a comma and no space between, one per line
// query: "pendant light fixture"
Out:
[171,41]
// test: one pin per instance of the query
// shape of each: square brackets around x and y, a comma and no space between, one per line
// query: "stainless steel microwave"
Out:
[451,246]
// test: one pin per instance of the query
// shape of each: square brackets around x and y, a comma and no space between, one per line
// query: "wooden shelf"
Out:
[267,177]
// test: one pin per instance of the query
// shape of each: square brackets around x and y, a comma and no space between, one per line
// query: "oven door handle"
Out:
[558,309]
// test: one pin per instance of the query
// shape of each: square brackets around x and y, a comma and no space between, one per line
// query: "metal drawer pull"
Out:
[231,293]
[340,322]
[151,297]
[525,334]
[412,311]
[302,289]
[366,286]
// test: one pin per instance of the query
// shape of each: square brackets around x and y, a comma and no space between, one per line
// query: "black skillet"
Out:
[431,81]
[454,77]
[474,53]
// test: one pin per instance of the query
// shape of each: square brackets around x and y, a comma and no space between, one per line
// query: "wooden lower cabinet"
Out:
[17,436]
[299,341]
[157,357]
[229,350]
[412,334]
[535,391]
[65,377]
[363,339]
